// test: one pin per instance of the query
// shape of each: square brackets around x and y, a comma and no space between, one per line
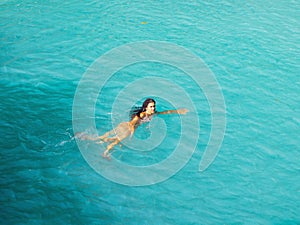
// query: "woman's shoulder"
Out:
[138,116]
[142,114]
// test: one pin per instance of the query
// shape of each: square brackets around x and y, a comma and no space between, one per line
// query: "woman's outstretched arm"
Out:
[175,111]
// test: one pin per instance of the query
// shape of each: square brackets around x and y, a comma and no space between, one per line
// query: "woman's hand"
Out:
[182,111]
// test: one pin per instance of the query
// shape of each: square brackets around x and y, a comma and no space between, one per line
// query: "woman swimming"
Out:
[123,130]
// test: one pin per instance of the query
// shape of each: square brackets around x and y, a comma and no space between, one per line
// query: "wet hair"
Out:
[136,111]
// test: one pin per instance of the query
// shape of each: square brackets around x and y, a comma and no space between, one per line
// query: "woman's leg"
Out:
[104,137]
[110,147]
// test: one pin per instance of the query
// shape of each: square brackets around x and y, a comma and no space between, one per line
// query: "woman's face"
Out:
[150,108]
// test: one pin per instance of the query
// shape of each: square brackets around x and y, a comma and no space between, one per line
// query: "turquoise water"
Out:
[251,47]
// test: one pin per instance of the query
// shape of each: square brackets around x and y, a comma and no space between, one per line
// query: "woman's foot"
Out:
[81,136]
[106,155]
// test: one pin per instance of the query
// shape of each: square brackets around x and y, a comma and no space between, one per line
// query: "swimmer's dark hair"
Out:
[136,111]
